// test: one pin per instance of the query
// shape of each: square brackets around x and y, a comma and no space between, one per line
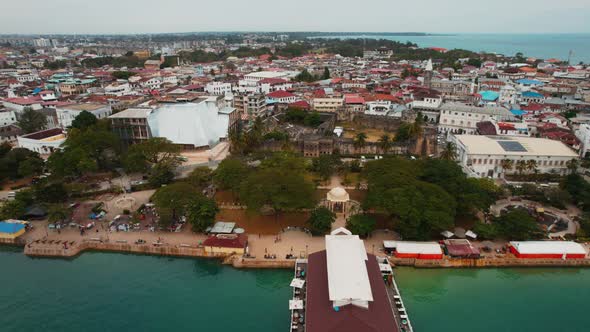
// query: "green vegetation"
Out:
[303,117]
[200,212]
[326,165]
[278,183]
[320,221]
[156,156]
[31,121]
[424,196]
[117,62]
[18,163]
[85,151]
[579,189]
[173,200]
[122,75]
[230,173]
[84,120]
[361,224]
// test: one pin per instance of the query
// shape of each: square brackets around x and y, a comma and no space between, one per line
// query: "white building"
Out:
[118,89]
[218,88]
[67,114]
[43,142]
[250,82]
[583,134]
[7,117]
[461,118]
[192,125]
[482,156]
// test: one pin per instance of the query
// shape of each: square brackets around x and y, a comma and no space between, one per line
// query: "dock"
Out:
[297,304]
[400,313]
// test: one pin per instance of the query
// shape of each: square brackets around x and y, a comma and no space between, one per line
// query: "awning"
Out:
[385,267]
[470,234]
[297,283]
[295,304]
[447,234]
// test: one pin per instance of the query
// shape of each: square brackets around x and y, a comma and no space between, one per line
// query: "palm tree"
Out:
[360,140]
[521,166]
[506,164]
[449,152]
[531,165]
[572,165]
[385,143]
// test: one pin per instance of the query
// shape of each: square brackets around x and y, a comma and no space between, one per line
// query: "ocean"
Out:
[491,300]
[118,292]
[544,46]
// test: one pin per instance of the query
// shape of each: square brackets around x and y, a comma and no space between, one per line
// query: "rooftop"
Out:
[515,146]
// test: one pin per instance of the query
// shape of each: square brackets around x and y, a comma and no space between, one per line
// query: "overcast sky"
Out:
[437,16]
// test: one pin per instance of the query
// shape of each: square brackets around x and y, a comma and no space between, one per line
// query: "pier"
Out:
[297,304]
[396,302]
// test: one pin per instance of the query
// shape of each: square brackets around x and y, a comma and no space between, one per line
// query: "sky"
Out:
[434,16]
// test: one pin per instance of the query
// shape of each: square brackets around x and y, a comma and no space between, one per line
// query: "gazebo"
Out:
[338,200]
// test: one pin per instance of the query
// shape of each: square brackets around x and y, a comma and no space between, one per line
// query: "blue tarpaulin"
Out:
[10,228]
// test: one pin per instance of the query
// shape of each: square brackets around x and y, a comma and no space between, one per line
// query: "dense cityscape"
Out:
[338,157]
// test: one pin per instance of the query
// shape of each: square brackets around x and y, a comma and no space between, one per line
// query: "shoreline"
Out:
[238,262]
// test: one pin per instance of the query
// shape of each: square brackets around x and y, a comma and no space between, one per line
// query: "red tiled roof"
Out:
[272,81]
[280,94]
[237,241]
[300,104]
[354,99]
[24,101]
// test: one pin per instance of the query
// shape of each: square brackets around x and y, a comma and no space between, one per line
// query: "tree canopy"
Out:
[361,224]
[84,120]
[173,200]
[320,220]
[200,212]
[424,196]
[31,121]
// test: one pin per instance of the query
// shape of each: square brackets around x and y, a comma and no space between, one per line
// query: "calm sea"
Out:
[537,45]
[491,300]
[116,292]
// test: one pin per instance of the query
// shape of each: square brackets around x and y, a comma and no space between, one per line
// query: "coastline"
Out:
[255,263]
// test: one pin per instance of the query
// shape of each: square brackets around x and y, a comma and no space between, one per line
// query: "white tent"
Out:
[295,304]
[297,283]
[348,278]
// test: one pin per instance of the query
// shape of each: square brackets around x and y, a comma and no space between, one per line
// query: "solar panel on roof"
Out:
[512,146]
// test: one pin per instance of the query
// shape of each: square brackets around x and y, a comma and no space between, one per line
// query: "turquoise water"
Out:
[115,292]
[496,299]
[537,45]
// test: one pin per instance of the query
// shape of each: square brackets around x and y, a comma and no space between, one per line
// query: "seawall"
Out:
[488,262]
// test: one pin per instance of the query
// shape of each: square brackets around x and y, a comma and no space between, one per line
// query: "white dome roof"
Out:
[338,194]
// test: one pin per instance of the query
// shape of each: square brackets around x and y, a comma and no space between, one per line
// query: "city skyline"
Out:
[178,16]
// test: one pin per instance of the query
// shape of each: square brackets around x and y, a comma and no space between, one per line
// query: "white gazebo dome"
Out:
[338,194]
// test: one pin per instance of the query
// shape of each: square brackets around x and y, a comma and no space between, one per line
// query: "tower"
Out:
[428,74]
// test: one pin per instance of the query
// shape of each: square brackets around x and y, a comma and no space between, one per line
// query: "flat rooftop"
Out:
[515,146]
[85,107]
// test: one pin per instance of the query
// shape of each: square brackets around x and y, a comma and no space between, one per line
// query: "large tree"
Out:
[281,189]
[172,201]
[95,148]
[320,220]
[31,121]
[326,165]
[20,162]
[518,225]
[84,120]
[200,212]
[230,173]
[361,224]
[154,151]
